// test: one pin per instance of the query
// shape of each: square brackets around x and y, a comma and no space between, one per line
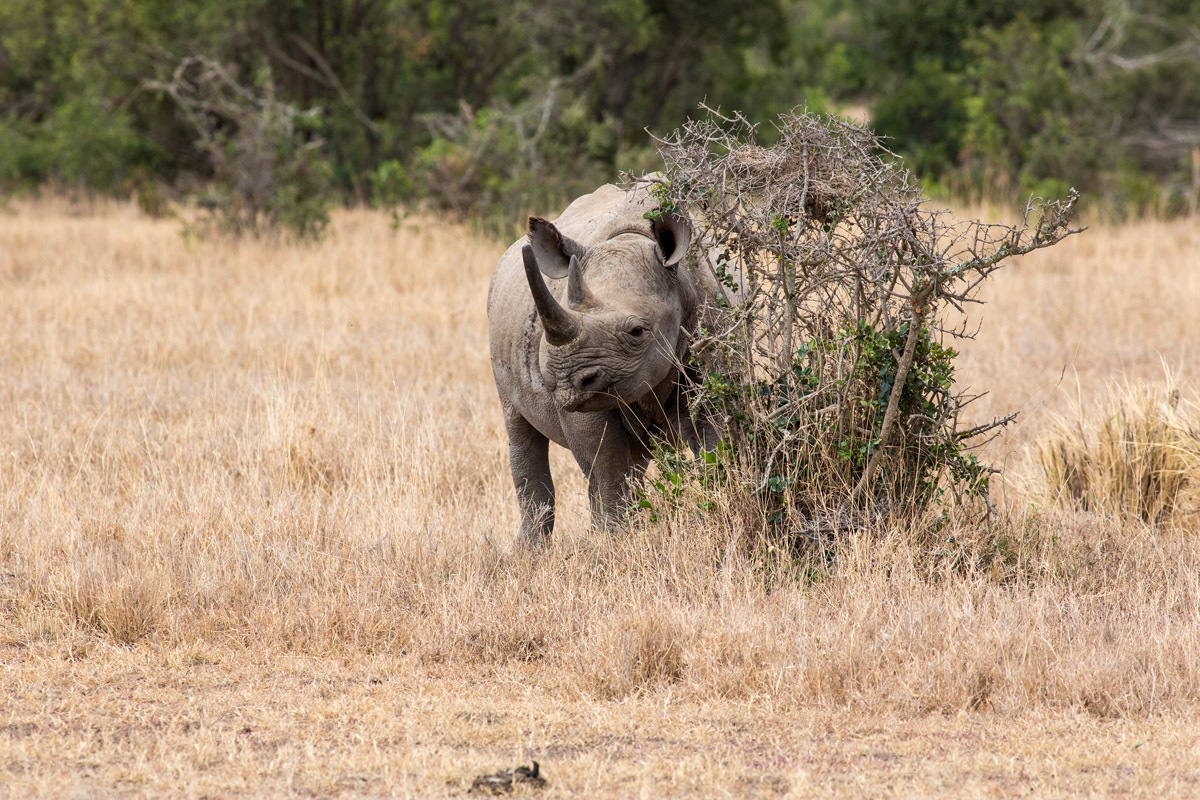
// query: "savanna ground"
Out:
[254,524]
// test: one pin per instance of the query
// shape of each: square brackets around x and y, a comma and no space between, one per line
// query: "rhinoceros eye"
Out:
[637,331]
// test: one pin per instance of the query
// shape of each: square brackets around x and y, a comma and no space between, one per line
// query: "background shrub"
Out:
[494,110]
[268,172]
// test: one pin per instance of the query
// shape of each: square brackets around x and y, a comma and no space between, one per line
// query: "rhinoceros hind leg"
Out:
[528,454]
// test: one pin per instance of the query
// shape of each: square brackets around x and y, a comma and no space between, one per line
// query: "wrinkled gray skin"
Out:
[591,363]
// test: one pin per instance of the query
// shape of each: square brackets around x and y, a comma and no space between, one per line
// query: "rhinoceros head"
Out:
[619,334]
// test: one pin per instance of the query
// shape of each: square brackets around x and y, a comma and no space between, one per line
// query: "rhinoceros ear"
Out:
[673,235]
[551,249]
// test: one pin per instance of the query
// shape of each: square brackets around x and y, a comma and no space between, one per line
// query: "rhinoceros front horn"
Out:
[559,323]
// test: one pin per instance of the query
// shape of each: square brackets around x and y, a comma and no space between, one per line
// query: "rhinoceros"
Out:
[588,321]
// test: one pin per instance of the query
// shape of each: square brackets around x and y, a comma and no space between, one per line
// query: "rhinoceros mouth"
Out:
[591,402]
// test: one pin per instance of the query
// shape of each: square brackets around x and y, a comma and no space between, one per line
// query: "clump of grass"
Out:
[1138,457]
[635,653]
[122,603]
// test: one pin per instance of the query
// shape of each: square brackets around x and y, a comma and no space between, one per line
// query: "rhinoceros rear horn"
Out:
[673,235]
[560,325]
[578,295]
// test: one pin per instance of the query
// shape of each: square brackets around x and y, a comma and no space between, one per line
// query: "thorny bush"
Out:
[823,358]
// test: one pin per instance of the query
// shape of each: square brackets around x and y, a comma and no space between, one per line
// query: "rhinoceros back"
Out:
[596,217]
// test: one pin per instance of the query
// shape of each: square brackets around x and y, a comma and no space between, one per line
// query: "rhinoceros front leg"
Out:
[612,462]
[700,434]
[528,454]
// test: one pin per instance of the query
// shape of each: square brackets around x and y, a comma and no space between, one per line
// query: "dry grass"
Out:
[1140,456]
[254,521]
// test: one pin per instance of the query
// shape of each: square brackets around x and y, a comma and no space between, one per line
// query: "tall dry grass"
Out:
[267,448]
[1137,455]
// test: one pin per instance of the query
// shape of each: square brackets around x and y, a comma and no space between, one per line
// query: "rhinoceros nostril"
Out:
[588,381]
